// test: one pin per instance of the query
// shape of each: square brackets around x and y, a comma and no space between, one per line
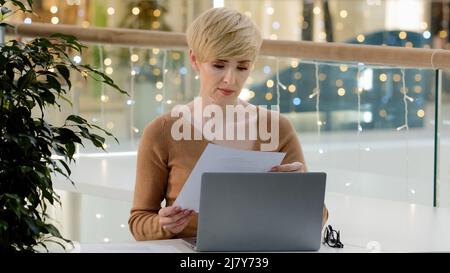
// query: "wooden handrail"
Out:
[337,52]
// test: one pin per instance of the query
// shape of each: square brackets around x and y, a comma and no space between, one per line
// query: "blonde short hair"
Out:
[223,33]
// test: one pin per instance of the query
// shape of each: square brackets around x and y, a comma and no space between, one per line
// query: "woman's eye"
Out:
[219,66]
[242,68]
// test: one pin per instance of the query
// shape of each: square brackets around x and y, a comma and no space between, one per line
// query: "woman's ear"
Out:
[193,59]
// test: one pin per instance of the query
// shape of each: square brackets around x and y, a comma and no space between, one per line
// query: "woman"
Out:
[223,47]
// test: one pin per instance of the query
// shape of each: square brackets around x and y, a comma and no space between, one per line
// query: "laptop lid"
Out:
[260,211]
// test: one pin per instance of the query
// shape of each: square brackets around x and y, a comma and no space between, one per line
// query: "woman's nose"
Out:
[229,76]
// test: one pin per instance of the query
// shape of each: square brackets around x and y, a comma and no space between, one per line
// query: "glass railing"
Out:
[371,128]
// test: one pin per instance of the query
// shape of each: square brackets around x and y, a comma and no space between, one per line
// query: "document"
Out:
[216,158]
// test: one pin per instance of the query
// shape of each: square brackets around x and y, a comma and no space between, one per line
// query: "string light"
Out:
[109,70]
[406,126]
[420,113]
[134,57]
[245,94]
[152,61]
[107,61]
[317,10]
[405,98]
[53,9]
[135,11]
[111,11]
[104,98]
[270,10]
[343,68]
[276,25]
[402,35]
[77,59]
[292,88]
[156,24]
[280,84]
[426,34]
[360,38]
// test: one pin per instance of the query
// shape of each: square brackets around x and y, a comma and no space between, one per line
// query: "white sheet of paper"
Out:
[216,158]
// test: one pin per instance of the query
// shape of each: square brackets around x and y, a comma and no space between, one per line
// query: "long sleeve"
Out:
[151,184]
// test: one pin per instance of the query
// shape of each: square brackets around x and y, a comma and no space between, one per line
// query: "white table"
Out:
[366,225]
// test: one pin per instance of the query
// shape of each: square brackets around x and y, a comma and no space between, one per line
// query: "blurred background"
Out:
[372,129]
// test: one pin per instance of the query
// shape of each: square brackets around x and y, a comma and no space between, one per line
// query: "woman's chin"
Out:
[225,100]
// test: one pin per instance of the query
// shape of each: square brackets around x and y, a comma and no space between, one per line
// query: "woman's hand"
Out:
[174,219]
[292,167]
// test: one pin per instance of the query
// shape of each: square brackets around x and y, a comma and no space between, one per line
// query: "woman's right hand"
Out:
[174,219]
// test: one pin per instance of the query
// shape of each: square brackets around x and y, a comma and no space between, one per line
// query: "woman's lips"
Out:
[225,92]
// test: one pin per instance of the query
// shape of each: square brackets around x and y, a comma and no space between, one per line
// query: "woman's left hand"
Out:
[291,167]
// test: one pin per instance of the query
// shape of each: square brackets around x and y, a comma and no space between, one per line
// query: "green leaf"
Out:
[66,167]
[64,71]
[70,147]
[25,80]
[19,4]
[53,83]
[48,97]
[76,119]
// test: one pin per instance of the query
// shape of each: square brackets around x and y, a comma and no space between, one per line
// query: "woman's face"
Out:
[221,80]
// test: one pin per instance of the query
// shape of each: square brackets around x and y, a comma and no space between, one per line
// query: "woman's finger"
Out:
[292,167]
[173,218]
[180,222]
[167,211]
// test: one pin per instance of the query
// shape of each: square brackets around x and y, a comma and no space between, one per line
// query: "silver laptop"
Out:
[260,212]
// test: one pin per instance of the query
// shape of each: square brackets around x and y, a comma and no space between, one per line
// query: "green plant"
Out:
[34,76]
